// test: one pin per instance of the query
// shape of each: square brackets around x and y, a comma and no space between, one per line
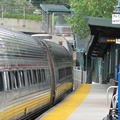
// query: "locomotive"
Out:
[34,74]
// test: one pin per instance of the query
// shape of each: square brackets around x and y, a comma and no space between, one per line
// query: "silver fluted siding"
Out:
[60,55]
[20,51]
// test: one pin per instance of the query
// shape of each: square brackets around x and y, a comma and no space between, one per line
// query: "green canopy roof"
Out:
[106,22]
[54,8]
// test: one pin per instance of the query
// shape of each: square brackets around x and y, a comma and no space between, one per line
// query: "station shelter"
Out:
[55,19]
[103,50]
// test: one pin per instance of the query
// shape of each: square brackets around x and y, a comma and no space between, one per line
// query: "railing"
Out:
[114,97]
[84,77]
[64,29]
[79,76]
[113,104]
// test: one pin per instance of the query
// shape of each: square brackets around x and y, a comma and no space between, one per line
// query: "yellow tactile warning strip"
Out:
[65,109]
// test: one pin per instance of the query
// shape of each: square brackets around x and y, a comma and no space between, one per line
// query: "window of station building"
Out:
[22,78]
[34,76]
[8,80]
[15,79]
[29,77]
[1,82]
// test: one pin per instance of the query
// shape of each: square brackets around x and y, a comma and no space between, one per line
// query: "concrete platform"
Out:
[94,106]
[87,103]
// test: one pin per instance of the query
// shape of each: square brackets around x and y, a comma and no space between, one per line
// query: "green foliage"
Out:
[16,7]
[38,2]
[19,9]
[93,8]
[27,17]
[34,17]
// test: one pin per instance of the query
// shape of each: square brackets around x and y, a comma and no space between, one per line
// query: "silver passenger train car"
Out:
[34,74]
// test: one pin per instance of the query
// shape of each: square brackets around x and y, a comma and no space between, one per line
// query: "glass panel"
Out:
[29,77]
[39,76]
[43,75]
[62,73]
[1,82]
[8,80]
[22,78]
[15,80]
[34,77]
[68,71]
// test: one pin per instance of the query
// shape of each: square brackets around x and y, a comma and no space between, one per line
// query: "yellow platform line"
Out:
[65,109]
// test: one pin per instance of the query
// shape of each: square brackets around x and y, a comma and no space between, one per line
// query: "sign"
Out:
[107,40]
[117,41]
[115,18]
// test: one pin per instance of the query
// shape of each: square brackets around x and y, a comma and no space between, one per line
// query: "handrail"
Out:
[114,100]
[111,87]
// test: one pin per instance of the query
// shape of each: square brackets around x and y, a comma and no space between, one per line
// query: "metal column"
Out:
[119,96]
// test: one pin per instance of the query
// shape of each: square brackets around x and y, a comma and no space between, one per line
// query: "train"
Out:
[34,75]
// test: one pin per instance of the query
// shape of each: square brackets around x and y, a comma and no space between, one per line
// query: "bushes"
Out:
[27,17]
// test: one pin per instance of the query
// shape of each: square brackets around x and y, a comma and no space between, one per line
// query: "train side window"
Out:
[39,76]
[29,77]
[61,73]
[68,71]
[7,78]
[15,80]
[22,78]
[43,75]
[1,82]
[34,77]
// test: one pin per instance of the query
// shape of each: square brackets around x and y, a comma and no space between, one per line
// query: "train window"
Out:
[43,75]
[7,78]
[68,71]
[61,73]
[22,78]
[34,77]
[1,82]
[29,77]
[39,76]
[15,80]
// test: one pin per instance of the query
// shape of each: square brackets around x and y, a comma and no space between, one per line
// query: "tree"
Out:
[37,2]
[93,8]
[16,6]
